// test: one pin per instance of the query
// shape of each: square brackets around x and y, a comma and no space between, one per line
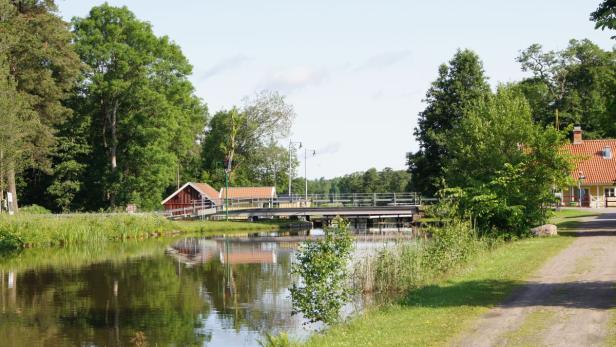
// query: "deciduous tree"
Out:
[144,115]
[459,84]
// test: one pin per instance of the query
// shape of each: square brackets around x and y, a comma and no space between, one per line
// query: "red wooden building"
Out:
[190,195]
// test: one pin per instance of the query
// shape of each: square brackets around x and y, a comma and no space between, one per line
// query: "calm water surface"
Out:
[185,292]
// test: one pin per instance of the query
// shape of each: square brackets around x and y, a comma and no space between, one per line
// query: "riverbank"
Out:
[36,231]
[434,313]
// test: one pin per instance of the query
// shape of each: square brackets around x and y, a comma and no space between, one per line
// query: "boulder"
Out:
[545,230]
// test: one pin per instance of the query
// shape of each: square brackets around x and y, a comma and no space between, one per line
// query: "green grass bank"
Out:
[34,231]
[439,310]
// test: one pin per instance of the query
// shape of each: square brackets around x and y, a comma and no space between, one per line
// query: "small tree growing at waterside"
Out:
[322,272]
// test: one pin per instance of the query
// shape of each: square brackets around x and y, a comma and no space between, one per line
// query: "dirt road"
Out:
[566,303]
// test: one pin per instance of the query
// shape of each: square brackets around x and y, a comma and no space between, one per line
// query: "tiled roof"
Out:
[202,188]
[206,189]
[249,192]
[589,160]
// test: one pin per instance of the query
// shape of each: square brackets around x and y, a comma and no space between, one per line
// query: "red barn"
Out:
[191,195]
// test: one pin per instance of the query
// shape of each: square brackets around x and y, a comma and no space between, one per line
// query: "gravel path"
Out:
[566,303]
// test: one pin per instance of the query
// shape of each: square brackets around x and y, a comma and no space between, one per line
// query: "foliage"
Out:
[502,168]
[34,209]
[281,340]
[321,289]
[247,138]
[370,181]
[139,107]
[459,84]
[605,16]
[36,43]
[18,124]
[576,85]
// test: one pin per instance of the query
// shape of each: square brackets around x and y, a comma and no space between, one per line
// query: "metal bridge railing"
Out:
[301,201]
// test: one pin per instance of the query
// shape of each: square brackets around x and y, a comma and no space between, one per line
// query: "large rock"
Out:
[545,230]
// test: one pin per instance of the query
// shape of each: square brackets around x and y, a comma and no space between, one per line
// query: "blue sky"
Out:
[356,71]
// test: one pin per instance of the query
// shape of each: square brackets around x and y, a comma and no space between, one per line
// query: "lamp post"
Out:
[314,152]
[227,171]
[291,147]
[581,179]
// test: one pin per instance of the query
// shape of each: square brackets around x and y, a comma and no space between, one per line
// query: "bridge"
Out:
[313,206]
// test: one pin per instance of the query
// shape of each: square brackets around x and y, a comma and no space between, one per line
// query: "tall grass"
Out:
[33,230]
[410,265]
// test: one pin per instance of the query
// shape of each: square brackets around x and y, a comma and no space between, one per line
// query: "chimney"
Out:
[577,136]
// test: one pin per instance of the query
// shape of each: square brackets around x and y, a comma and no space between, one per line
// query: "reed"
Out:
[46,230]
[410,265]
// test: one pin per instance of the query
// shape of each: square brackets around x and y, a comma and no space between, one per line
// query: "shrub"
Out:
[34,209]
[322,270]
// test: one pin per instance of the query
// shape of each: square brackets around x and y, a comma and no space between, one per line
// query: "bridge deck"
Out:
[389,211]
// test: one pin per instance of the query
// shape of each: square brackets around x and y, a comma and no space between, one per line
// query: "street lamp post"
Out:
[291,147]
[314,152]
[227,171]
[581,179]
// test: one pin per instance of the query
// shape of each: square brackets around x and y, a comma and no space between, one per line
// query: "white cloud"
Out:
[383,60]
[229,63]
[291,79]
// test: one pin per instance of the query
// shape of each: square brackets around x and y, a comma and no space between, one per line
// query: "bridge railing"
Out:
[301,201]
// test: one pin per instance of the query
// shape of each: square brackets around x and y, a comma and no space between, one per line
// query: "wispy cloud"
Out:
[291,79]
[330,148]
[229,63]
[384,60]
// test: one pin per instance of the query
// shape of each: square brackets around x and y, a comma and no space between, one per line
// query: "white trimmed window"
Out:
[610,192]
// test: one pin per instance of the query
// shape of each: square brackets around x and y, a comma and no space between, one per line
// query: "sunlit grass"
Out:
[435,313]
[29,230]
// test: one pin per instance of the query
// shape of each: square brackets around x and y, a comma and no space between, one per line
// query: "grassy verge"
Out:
[29,230]
[434,313]
[431,315]
[568,219]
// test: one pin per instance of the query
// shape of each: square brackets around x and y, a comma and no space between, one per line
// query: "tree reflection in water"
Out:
[192,293]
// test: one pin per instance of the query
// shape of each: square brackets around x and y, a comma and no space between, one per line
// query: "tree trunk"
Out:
[12,187]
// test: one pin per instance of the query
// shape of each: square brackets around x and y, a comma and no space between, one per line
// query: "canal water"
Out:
[182,292]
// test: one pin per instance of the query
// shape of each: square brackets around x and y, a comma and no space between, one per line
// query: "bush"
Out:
[34,209]
[322,274]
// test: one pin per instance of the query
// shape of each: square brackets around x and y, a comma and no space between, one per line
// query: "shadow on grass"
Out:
[589,295]
[602,225]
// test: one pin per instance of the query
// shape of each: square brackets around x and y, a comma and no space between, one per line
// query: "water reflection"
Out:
[192,292]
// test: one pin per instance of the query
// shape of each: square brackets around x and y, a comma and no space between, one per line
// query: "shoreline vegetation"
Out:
[438,301]
[41,231]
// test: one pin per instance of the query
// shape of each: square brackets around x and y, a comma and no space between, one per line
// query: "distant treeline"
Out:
[370,181]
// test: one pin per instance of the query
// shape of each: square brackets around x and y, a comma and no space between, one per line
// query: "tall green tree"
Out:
[246,138]
[576,85]
[144,115]
[40,59]
[502,166]
[605,16]
[459,84]
[19,124]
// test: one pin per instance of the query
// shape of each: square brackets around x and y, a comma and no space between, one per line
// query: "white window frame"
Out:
[613,193]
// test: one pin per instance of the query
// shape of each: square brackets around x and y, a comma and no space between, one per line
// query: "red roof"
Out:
[589,160]
[202,188]
[249,192]
[207,190]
